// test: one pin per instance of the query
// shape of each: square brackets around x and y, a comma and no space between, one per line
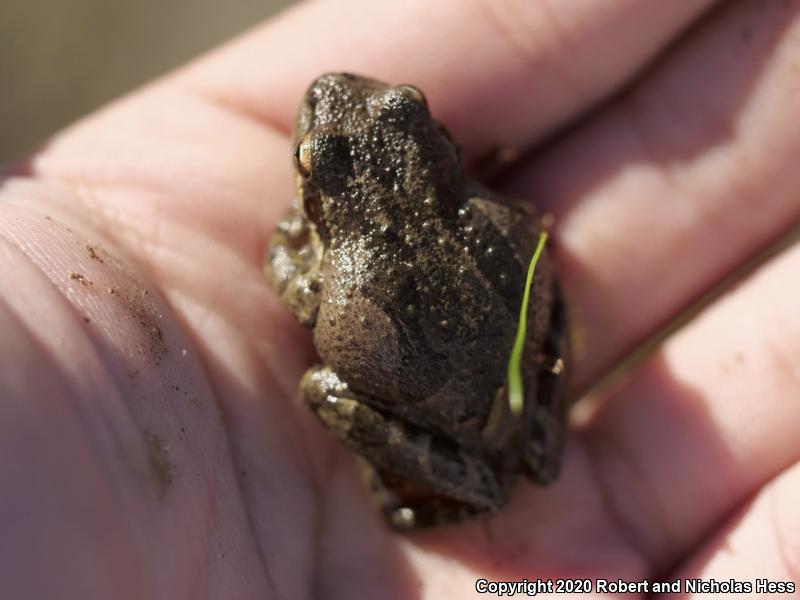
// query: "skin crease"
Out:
[159,448]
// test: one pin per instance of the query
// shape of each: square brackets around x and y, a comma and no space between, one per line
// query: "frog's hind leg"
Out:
[547,400]
[417,477]
[406,507]
[293,265]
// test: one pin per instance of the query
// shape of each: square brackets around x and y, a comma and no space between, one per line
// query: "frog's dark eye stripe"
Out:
[413,92]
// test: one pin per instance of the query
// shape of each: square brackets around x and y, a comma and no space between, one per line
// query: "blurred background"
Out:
[59,59]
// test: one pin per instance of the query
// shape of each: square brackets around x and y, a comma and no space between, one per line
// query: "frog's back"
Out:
[432,318]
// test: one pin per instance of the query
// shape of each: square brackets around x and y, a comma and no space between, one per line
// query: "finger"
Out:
[677,182]
[203,177]
[542,55]
[210,180]
[555,57]
[107,431]
[759,545]
[708,420]
[50,475]
[187,190]
[498,73]
[559,532]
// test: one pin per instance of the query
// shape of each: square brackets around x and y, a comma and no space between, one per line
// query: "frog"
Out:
[410,274]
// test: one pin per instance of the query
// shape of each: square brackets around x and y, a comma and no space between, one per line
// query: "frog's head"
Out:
[363,149]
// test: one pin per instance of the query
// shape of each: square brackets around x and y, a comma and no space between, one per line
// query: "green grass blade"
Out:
[515,391]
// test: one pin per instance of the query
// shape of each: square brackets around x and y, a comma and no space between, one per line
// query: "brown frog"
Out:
[411,276]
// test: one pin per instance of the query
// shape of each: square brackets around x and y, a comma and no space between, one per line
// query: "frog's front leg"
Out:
[293,265]
[418,478]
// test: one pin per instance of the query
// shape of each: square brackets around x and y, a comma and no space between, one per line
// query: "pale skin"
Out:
[152,443]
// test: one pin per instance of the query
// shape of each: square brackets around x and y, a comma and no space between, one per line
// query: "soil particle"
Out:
[82,279]
[145,314]
[93,253]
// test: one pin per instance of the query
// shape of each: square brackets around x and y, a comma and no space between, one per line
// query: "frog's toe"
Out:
[405,509]
[292,266]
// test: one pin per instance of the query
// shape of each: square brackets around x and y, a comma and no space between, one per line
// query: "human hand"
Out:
[151,442]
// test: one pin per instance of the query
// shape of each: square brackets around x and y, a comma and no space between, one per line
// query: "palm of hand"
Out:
[162,450]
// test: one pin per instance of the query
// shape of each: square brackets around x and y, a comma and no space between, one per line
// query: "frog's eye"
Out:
[413,93]
[302,156]
[323,158]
